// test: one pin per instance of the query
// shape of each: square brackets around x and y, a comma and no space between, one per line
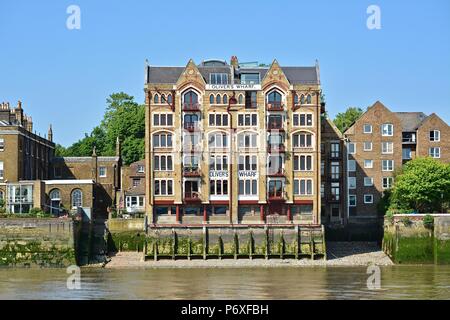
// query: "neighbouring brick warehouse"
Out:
[32,177]
[239,144]
[379,143]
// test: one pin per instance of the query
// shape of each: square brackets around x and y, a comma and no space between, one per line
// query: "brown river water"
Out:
[397,282]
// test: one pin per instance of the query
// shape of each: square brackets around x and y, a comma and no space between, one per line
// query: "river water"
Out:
[397,282]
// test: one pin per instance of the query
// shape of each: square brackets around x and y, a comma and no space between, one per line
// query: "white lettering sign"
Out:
[248,174]
[233,87]
[218,174]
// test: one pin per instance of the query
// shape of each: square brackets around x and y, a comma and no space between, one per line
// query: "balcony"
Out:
[275,126]
[409,138]
[191,126]
[191,171]
[191,107]
[272,148]
[275,106]
[277,195]
[192,196]
[276,172]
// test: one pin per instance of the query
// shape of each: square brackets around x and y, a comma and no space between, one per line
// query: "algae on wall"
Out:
[415,244]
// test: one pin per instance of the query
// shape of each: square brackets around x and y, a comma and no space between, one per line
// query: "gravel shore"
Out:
[338,254]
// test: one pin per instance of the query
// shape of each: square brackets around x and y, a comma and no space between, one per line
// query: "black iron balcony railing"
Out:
[192,196]
[279,172]
[275,125]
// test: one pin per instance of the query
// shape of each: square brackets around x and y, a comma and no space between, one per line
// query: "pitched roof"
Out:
[410,120]
[170,75]
[136,191]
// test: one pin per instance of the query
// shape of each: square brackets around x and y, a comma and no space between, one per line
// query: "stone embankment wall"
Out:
[216,242]
[38,242]
[408,241]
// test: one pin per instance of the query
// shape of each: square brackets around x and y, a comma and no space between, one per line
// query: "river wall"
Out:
[38,242]
[407,241]
[216,242]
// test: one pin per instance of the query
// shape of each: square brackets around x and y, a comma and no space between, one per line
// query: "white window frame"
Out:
[387,133]
[433,154]
[434,136]
[351,168]
[364,128]
[139,168]
[386,169]
[167,156]
[159,134]
[299,116]
[383,185]
[104,174]
[366,166]
[216,146]
[352,183]
[158,115]
[251,115]
[222,116]
[299,162]
[305,180]
[387,151]
[370,144]
[353,144]
[2,170]
[2,144]
[368,195]
[299,133]
[241,135]
[167,185]
[368,184]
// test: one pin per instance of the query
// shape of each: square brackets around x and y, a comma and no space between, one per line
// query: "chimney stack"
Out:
[234,62]
[50,133]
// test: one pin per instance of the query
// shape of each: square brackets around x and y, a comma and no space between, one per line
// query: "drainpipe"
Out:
[230,162]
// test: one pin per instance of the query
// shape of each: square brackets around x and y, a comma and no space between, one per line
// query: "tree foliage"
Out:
[123,118]
[423,185]
[344,120]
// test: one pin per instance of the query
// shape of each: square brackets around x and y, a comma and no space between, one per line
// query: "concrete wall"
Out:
[37,242]
[413,242]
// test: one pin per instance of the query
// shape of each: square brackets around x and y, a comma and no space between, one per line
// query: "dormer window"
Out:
[140,168]
[250,78]
[218,78]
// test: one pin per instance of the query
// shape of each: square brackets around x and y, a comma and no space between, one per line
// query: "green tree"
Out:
[123,118]
[422,185]
[344,120]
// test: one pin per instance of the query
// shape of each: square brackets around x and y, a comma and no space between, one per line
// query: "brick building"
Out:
[233,143]
[32,177]
[133,188]
[379,143]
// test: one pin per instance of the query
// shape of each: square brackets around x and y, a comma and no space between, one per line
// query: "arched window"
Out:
[218,140]
[241,99]
[302,99]
[156,99]
[169,99]
[303,140]
[225,99]
[55,194]
[211,99]
[248,140]
[162,140]
[308,99]
[163,98]
[77,198]
[296,99]
[190,98]
[218,100]
[274,97]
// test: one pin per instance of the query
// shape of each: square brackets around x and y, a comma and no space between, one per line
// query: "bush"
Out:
[406,221]
[390,216]
[428,221]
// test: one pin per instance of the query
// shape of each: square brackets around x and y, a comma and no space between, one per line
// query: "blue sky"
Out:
[64,76]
